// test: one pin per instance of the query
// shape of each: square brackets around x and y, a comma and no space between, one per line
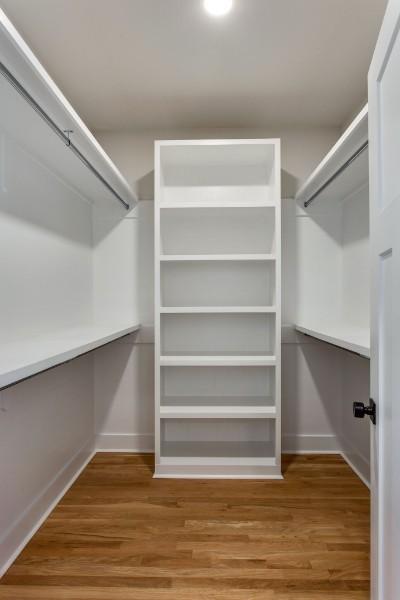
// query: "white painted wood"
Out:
[232,454]
[24,358]
[258,469]
[333,247]
[31,132]
[218,231]
[215,284]
[187,203]
[353,339]
[352,139]
[384,102]
[245,386]
[213,310]
[216,257]
[176,310]
[50,273]
[214,412]
[331,292]
[233,360]
[209,402]
[218,333]
[312,370]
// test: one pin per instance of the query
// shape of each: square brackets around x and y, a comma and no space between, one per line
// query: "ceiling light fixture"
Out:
[218,8]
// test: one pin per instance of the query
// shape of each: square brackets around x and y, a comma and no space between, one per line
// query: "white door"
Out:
[384,152]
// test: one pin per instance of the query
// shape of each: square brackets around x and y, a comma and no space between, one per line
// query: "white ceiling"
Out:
[142,64]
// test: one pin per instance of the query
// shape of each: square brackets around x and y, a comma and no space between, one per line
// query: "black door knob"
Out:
[360,410]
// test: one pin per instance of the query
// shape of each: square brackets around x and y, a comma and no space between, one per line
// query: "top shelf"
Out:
[23,123]
[350,179]
[217,173]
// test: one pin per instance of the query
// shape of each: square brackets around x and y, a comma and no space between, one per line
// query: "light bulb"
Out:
[218,8]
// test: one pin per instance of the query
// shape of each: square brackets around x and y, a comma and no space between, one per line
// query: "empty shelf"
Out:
[216,309]
[350,338]
[219,401]
[215,411]
[214,359]
[228,453]
[217,204]
[216,257]
[23,358]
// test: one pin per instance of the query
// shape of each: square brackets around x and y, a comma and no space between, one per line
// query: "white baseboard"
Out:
[22,530]
[125,442]
[328,444]
[311,444]
[357,462]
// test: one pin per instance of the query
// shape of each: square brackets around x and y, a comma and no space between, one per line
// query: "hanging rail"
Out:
[63,135]
[336,174]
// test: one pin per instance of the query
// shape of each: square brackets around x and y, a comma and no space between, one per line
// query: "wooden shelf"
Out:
[215,412]
[352,178]
[350,338]
[24,358]
[216,257]
[221,204]
[218,401]
[226,453]
[172,310]
[226,359]
[217,201]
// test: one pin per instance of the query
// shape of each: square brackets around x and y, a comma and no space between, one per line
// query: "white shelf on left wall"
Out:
[54,252]
[25,358]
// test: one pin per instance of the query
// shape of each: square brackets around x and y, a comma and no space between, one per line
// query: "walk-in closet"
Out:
[199,299]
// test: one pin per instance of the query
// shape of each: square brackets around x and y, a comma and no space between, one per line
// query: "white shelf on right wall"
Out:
[333,245]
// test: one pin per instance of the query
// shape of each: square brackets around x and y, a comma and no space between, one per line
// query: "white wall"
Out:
[46,437]
[45,238]
[312,384]
[47,422]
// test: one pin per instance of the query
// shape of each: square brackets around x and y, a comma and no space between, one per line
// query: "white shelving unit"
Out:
[333,245]
[218,314]
[50,239]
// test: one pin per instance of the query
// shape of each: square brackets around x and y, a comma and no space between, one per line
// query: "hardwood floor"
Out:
[118,534]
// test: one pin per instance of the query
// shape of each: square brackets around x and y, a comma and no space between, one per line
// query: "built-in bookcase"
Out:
[218,308]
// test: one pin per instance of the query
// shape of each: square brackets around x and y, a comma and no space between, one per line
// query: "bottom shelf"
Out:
[348,337]
[219,467]
[211,453]
[223,442]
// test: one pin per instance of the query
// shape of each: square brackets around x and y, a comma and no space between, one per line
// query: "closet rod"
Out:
[63,135]
[337,173]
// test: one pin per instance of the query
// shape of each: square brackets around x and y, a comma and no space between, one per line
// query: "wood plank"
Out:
[119,534]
